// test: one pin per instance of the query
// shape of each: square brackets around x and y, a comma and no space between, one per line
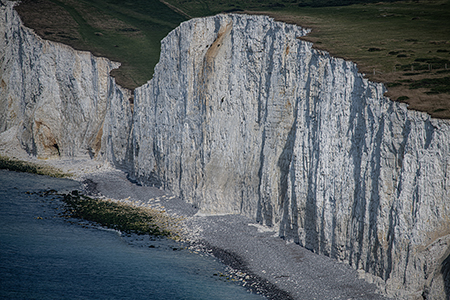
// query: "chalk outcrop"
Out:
[243,117]
[56,101]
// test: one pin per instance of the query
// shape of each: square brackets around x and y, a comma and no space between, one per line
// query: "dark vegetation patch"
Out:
[402,98]
[434,85]
[128,29]
[426,64]
[413,67]
[120,216]
[28,167]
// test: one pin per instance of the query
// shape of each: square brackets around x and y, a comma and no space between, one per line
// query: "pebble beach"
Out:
[255,254]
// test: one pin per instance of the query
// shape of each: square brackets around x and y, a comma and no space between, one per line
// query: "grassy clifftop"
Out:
[404,44]
[125,31]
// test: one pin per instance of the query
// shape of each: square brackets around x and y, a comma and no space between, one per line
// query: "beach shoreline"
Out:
[255,254]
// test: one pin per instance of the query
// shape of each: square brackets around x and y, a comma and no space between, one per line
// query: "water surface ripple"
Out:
[42,256]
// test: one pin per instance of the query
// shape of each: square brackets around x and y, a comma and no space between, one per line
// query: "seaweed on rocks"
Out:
[120,216]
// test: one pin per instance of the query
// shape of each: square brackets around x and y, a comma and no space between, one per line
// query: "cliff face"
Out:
[57,101]
[243,117]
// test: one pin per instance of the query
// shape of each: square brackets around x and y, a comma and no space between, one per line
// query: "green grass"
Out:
[28,167]
[413,29]
[120,216]
[126,31]
[200,8]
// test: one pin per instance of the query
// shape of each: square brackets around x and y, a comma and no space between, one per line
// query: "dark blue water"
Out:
[44,257]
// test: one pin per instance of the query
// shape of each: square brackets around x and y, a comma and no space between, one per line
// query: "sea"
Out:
[43,256]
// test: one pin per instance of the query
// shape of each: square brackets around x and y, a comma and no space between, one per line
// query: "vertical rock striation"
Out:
[243,117]
[55,100]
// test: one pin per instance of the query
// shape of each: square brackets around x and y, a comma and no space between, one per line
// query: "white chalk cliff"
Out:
[243,117]
[55,101]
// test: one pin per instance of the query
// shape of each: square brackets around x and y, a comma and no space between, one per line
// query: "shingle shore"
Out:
[258,257]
